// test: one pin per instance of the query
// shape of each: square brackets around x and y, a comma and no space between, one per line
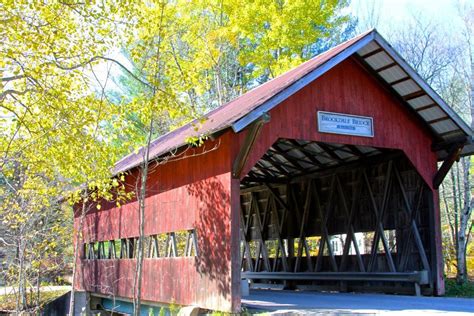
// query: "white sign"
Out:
[338,123]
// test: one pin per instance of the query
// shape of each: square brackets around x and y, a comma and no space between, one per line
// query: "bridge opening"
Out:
[326,216]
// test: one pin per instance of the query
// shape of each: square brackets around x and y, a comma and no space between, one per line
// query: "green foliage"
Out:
[7,302]
[162,312]
[173,309]
[459,290]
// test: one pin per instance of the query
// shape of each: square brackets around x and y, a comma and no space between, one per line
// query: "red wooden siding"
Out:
[348,88]
[194,192]
[169,280]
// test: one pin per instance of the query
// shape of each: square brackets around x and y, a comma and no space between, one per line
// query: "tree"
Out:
[51,138]
[62,131]
[445,62]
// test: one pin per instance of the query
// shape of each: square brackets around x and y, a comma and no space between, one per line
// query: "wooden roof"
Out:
[373,51]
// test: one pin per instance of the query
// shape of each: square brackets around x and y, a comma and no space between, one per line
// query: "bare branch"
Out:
[95,58]
[8,92]
[4,79]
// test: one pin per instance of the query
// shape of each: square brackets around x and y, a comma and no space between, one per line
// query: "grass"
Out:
[459,290]
[8,301]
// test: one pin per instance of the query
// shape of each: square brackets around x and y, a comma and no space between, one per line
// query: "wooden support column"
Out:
[302,233]
[437,263]
[244,224]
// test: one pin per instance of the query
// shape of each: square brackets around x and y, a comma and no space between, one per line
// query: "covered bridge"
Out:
[325,177]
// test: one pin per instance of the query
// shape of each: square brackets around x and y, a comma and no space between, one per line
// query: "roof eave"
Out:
[431,93]
[266,106]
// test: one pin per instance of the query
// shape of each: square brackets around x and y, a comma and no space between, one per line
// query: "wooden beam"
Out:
[330,151]
[280,246]
[244,221]
[419,277]
[425,107]
[385,67]
[447,145]
[302,233]
[393,92]
[414,227]
[413,95]
[324,241]
[406,246]
[292,160]
[350,232]
[271,159]
[356,151]
[251,137]
[265,180]
[307,153]
[372,53]
[366,162]
[258,228]
[444,118]
[379,214]
[393,83]
[453,156]
[454,131]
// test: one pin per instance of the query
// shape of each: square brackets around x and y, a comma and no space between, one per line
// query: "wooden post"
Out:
[453,156]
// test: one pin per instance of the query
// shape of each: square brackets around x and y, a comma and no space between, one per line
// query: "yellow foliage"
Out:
[60,133]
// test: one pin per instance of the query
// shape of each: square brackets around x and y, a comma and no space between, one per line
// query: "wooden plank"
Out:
[406,249]
[372,53]
[302,235]
[388,66]
[244,230]
[454,154]
[366,162]
[307,153]
[419,277]
[379,230]
[393,83]
[350,234]
[250,139]
[293,160]
[258,229]
[415,276]
[278,222]
[112,252]
[324,241]
[416,233]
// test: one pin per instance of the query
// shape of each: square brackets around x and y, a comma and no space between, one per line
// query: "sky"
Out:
[388,13]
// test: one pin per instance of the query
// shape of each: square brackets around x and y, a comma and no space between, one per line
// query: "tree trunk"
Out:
[21,299]
[38,287]
[464,219]
[141,208]
[77,244]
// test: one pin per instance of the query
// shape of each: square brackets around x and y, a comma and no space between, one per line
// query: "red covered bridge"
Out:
[325,177]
